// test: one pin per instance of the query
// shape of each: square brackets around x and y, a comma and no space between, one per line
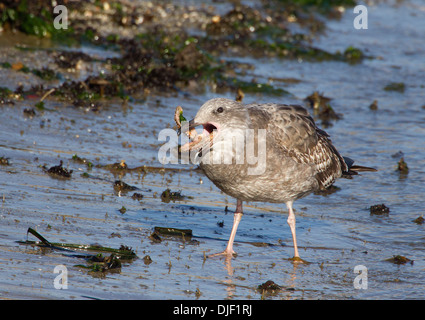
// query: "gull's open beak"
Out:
[199,140]
[193,124]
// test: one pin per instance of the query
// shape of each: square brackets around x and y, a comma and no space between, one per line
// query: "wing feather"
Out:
[295,132]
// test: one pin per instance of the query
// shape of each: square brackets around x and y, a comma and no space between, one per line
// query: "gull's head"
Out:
[216,116]
[219,114]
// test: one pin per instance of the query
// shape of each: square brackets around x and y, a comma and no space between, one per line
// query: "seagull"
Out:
[290,157]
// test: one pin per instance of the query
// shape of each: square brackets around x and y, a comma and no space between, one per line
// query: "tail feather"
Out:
[362,169]
[353,170]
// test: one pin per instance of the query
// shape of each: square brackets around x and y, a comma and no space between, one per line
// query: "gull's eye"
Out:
[220,110]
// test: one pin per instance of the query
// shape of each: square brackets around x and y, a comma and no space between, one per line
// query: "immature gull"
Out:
[291,157]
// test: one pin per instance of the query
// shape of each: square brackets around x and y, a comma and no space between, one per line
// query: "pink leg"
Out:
[236,219]
[291,223]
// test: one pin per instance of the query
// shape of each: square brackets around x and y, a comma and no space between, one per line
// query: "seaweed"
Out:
[395,86]
[123,210]
[187,233]
[124,252]
[137,196]
[402,166]
[58,171]
[374,105]
[398,259]
[322,108]
[353,55]
[168,195]
[419,220]
[98,264]
[155,238]
[269,288]
[85,161]
[101,264]
[147,260]
[184,235]
[5,92]
[122,187]
[163,59]
[4,161]
[29,112]
[70,59]
[45,73]
[117,166]
[379,209]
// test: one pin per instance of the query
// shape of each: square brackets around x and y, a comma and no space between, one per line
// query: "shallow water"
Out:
[335,232]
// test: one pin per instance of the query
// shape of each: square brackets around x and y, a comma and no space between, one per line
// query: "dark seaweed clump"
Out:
[168,195]
[402,166]
[4,161]
[58,171]
[70,59]
[100,263]
[322,108]
[161,56]
[120,186]
[137,196]
[398,259]
[379,209]
[269,286]
[419,220]
[395,86]
[5,94]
